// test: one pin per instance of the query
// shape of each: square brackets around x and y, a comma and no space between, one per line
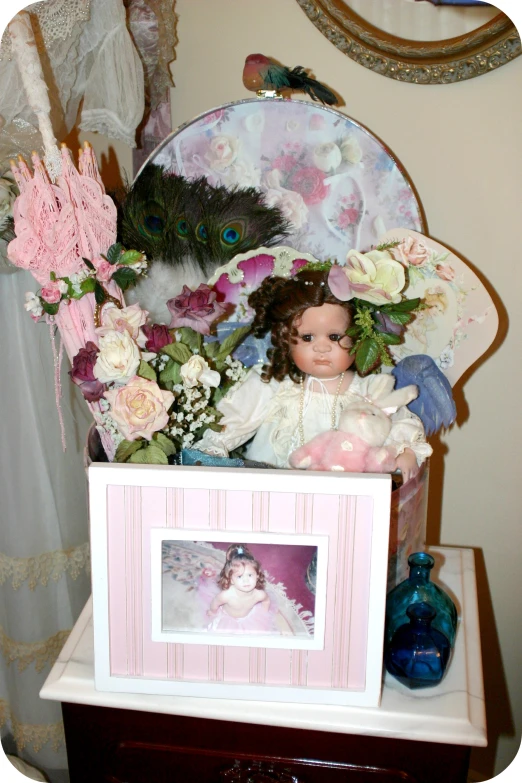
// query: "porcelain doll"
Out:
[308,380]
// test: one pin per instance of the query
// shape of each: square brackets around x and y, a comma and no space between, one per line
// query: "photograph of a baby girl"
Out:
[243,593]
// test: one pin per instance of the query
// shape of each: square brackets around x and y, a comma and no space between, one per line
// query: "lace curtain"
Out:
[44,551]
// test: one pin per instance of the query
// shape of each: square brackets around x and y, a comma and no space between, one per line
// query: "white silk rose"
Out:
[290,204]
[327,157]
[375,276]
[222,152]
[128,319]
[196,371]
[140,408]
[118,359]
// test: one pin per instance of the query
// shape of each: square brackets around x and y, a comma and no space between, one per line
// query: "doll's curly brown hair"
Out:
[278,303]
[237,557]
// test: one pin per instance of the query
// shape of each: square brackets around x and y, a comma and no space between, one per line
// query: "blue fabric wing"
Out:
[435,405]
[251,351]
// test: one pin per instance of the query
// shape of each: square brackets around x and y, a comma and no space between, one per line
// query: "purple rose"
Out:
[82,373]
[386,325]
[195,309]
[158,336]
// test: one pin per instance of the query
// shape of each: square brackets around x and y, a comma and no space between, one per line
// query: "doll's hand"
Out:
[407,464]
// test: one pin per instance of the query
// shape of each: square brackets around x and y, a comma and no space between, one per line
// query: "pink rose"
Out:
[51,292]
[140,408]
[196,309]
[445,272]
[284,163]
[411,251]
[104,270]
[309,183]
[348,217]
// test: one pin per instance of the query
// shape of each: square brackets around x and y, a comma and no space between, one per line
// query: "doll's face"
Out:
[244,580]
[322,345]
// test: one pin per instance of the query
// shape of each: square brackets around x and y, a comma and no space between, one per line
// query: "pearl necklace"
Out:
[300,420]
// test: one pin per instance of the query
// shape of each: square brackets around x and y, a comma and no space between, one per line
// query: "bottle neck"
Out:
[420,573]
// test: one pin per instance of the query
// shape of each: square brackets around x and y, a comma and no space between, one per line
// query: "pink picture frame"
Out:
[158,538]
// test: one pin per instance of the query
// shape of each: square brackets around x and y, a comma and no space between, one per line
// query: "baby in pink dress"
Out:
[241,605]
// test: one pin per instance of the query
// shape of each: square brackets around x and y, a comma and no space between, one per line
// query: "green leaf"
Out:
[232,341]
[177,351]
[147,372]
[191,338]
[99,293]
[50,308]
[114,253]
[124,277]
[367,356]
[390,339]
[353,331]
[400,318]
[170,373]
[88,263]
[211,349]
[405,306]
[52,276]
[164,443]
[127,448]
[151,455]
[130,257]
[88,285]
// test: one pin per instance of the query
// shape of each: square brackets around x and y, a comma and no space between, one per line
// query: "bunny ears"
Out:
[389,399]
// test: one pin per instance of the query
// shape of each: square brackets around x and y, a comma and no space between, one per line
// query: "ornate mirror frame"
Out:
[419,62]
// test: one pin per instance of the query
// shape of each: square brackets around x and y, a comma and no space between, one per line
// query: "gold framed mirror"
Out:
[370,32]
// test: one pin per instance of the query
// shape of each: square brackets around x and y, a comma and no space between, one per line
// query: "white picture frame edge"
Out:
[377,486]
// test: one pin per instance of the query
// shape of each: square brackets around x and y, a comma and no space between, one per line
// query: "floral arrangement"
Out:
[120,265]
[158,386]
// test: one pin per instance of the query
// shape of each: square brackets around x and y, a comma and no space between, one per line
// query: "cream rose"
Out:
[291,204]
[140,408]
[411,251]
[241,173]
[350,150]
[327,157]
[119,358]
[222,152]
[255,122]
[128,319]
[375,276]
[196,371]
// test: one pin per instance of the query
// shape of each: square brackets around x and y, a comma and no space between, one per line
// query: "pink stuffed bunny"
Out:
[358,445]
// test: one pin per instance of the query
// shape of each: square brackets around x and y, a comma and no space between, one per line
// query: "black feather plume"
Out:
[298,79]
[170,218]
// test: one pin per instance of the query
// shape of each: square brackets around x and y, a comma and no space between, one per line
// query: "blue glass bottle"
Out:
[418,654]
[418,587]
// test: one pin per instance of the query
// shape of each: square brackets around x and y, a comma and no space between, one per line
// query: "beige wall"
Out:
[461,146]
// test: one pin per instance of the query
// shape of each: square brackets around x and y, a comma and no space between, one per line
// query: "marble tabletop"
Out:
[452,712]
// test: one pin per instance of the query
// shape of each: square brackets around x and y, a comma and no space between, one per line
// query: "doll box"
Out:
[159,536]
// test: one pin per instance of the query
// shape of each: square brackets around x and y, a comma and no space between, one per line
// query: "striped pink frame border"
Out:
[128,501]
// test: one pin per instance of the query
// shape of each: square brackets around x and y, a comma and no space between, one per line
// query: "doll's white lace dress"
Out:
[269,414]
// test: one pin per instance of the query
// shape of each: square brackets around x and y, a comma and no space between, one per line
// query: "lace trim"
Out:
[35,734]
[25,653]
[50,565]
[56,20]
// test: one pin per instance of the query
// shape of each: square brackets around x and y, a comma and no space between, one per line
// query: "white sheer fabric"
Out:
[92,58]
[44,554]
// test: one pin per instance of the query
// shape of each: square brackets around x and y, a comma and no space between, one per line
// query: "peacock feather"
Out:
[170,218]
